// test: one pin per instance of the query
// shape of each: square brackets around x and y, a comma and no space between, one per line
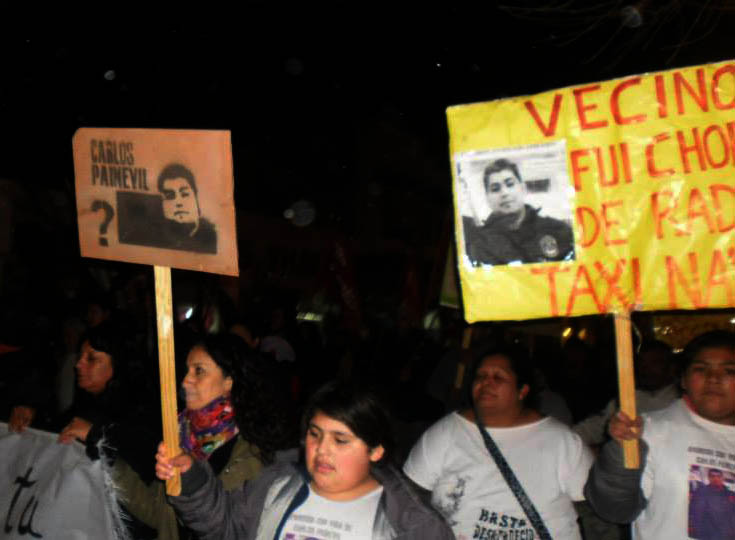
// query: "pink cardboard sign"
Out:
[156,196]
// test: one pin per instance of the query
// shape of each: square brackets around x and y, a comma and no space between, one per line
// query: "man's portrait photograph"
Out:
[171,219]
[516,205]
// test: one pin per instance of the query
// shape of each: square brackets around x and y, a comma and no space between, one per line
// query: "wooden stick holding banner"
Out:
[626,383]
[167,369]
[598,239]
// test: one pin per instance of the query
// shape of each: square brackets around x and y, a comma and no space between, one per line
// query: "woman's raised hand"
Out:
[165,466]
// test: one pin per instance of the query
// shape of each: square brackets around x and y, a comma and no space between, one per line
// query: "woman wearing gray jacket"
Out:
[345,488]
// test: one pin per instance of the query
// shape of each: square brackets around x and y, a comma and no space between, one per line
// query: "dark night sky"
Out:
[326,104]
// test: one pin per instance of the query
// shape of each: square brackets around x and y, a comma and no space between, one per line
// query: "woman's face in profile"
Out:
[338,460]
[94,369]
[204,381]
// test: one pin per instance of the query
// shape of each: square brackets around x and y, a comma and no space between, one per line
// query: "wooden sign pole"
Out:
[167,368]
[626,383]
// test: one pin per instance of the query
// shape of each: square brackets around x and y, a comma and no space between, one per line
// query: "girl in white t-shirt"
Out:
[549,461]
[344,488]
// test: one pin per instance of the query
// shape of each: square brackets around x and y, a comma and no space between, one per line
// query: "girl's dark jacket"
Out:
[259,509]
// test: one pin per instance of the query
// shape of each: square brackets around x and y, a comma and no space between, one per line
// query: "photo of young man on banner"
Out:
[520,212]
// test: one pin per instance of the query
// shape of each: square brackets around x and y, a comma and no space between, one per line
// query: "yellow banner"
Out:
[599,198]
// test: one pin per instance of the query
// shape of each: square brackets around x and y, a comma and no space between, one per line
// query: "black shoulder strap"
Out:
[515,486]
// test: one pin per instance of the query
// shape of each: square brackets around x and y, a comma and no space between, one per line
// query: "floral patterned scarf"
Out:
[204,430]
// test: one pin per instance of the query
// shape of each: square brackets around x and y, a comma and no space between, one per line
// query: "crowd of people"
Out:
[295,433]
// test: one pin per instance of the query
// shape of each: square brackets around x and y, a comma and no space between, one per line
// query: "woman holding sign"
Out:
[345,487]
[233,420]
[481,462]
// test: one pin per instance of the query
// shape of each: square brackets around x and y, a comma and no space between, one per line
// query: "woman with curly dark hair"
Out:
[234,419]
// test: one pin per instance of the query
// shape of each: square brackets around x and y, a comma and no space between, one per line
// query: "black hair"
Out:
[715,339]
[360,409]
[497,166]
[106,338]
[520,365]
[115,399]
[261,407]
[176,170]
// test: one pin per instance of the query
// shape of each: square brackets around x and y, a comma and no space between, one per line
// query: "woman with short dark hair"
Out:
[454,458]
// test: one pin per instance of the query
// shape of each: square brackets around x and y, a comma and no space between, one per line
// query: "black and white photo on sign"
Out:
[170,219]
[516,205]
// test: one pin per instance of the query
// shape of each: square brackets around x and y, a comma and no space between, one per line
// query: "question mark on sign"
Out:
[109,213]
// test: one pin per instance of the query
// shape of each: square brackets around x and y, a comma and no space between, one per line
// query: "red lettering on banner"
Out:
[684,150]
[717,276]
[716,88]
[697,208]
[715,191]
[591,223]
[606,178]
[612,284]
[578,169]
[715,148]
[609,223]
[615,103]
[547,129]
[693,90]
[653,171]
[715,214]
[550,273]
[588,235]
[725,147]
[694,292]
[626,162]
[583,108]
[661,96]
[585,285]
[582,274]
[660,213]
[700,96]
[731,136]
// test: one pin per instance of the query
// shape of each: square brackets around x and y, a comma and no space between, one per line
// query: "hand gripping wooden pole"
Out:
[167,369]
[626,383]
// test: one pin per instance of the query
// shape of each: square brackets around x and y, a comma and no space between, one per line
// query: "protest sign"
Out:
[159,197]
[602,198]
[52,490]
[156,196]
